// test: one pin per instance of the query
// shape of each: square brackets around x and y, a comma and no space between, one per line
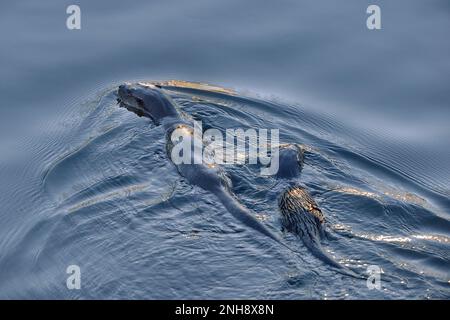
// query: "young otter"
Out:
[300,214]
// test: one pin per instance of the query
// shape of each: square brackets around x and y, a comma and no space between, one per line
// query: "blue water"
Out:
[84,182]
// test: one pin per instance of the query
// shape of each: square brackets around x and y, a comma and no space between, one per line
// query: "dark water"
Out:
[84,182]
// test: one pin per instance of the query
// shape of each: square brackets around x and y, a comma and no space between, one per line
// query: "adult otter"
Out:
[150,101]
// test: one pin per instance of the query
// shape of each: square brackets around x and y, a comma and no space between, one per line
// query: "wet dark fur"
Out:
[300,214]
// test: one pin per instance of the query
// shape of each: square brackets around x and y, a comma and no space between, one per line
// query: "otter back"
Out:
[300,214]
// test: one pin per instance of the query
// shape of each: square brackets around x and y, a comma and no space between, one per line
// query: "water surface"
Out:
[84,182]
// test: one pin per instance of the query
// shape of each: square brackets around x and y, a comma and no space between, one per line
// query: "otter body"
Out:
[300,214]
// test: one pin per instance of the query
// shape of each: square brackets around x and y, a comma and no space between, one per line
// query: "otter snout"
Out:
[129,98]
[146,100]
[125,94]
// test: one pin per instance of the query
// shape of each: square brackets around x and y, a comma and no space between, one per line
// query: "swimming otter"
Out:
[150,101]
[300,214]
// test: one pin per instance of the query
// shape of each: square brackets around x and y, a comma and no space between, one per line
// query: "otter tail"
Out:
[244,215]
[318,252]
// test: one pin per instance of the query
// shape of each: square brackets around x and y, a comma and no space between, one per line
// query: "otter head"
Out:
[290,161]
[146,100]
